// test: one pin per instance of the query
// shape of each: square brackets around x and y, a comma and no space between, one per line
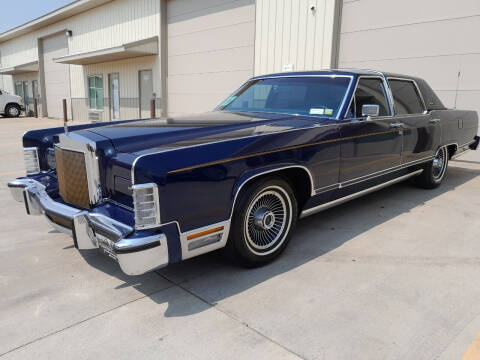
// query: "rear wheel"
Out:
[433,174]
[12,110]
[263,220]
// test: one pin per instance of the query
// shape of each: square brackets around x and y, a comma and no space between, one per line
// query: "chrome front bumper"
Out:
[135,254]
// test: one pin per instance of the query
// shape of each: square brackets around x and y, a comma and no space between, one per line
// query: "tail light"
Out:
[32,164]
[146,206]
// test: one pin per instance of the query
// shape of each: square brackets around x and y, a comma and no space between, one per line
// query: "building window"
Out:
[95,92]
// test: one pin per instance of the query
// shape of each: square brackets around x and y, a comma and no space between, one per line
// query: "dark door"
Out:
[371,145]
[421,132]
[26,97]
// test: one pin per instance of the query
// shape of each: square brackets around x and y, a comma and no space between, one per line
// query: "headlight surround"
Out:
[32,163]
[146,206]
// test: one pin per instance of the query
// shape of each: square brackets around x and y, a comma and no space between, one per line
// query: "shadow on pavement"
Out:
[314,237]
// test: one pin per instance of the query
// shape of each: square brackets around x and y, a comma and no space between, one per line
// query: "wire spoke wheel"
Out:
[439,164]
[267,220]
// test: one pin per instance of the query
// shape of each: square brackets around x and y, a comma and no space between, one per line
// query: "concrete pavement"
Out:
[392,275]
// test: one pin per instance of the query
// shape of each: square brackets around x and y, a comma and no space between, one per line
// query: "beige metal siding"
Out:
[289,32]
[113,24]
[127,70]
[210,51]
[57,76]
[430,38]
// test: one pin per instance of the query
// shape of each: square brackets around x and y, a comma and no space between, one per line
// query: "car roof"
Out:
[347,72]
[432,101]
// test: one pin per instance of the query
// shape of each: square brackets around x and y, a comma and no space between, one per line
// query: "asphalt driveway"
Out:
[393,275]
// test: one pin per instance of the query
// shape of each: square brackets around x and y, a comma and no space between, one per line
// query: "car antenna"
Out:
[456,90]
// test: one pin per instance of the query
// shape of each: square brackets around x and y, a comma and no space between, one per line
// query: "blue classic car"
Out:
[153,192]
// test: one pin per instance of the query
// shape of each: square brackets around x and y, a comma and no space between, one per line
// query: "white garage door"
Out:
[428,38]
[210,51]
[57,76]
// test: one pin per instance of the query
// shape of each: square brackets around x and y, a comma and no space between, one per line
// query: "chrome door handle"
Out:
[397,125]
[434,121]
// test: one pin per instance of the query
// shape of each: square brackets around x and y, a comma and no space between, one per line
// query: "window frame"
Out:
[388,95]
[419,93]
[96,99]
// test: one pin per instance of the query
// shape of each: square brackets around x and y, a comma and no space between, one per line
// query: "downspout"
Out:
[337,25]
[164,56]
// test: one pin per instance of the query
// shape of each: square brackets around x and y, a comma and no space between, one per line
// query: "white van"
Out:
[11,105]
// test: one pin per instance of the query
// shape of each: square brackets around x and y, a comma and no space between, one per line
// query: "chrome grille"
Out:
[72,177]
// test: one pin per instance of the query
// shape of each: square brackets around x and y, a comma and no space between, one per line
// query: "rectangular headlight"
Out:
[32,163]
[146,206]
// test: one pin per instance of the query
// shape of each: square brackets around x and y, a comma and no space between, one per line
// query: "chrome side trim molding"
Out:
[342,200]
[384,172]
[371,176]
[327,188]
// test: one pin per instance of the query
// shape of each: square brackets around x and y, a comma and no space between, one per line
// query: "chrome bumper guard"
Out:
[135,255]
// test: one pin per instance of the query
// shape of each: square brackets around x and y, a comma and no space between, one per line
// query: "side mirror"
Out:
[370,110]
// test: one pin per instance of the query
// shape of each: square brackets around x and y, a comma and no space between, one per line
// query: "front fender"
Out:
[252,174]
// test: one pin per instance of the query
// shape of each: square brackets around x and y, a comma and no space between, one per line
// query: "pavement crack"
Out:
[85,320]
[243,323]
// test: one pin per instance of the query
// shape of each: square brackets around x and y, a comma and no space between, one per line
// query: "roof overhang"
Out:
[20,69]
[76,7]
[135,49]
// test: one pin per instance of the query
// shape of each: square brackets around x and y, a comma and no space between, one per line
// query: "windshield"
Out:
[316,95]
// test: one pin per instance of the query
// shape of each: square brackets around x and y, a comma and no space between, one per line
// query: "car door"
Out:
[371,145]
[421,132]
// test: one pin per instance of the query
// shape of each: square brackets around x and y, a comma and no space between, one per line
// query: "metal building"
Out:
[109,58]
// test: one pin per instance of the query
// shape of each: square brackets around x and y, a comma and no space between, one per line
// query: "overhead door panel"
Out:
[57,76]
[210,51]
[433,42]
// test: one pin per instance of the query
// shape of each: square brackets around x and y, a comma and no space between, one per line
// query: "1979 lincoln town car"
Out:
[284,146]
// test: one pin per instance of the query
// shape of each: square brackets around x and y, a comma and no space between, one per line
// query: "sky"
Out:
[21,11]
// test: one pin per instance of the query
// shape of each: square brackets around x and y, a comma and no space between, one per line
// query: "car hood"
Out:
[153,135]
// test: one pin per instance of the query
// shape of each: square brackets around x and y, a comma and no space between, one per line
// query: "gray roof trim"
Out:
[74,8]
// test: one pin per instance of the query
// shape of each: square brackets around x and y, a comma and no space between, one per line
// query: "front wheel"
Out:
[434,173]
[264,218]
[12,110]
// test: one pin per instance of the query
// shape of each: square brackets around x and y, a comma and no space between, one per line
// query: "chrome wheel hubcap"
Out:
[439,164]
[267,220]
[13,111]
[264,219]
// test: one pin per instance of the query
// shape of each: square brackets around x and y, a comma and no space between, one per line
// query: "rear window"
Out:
[406,97]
